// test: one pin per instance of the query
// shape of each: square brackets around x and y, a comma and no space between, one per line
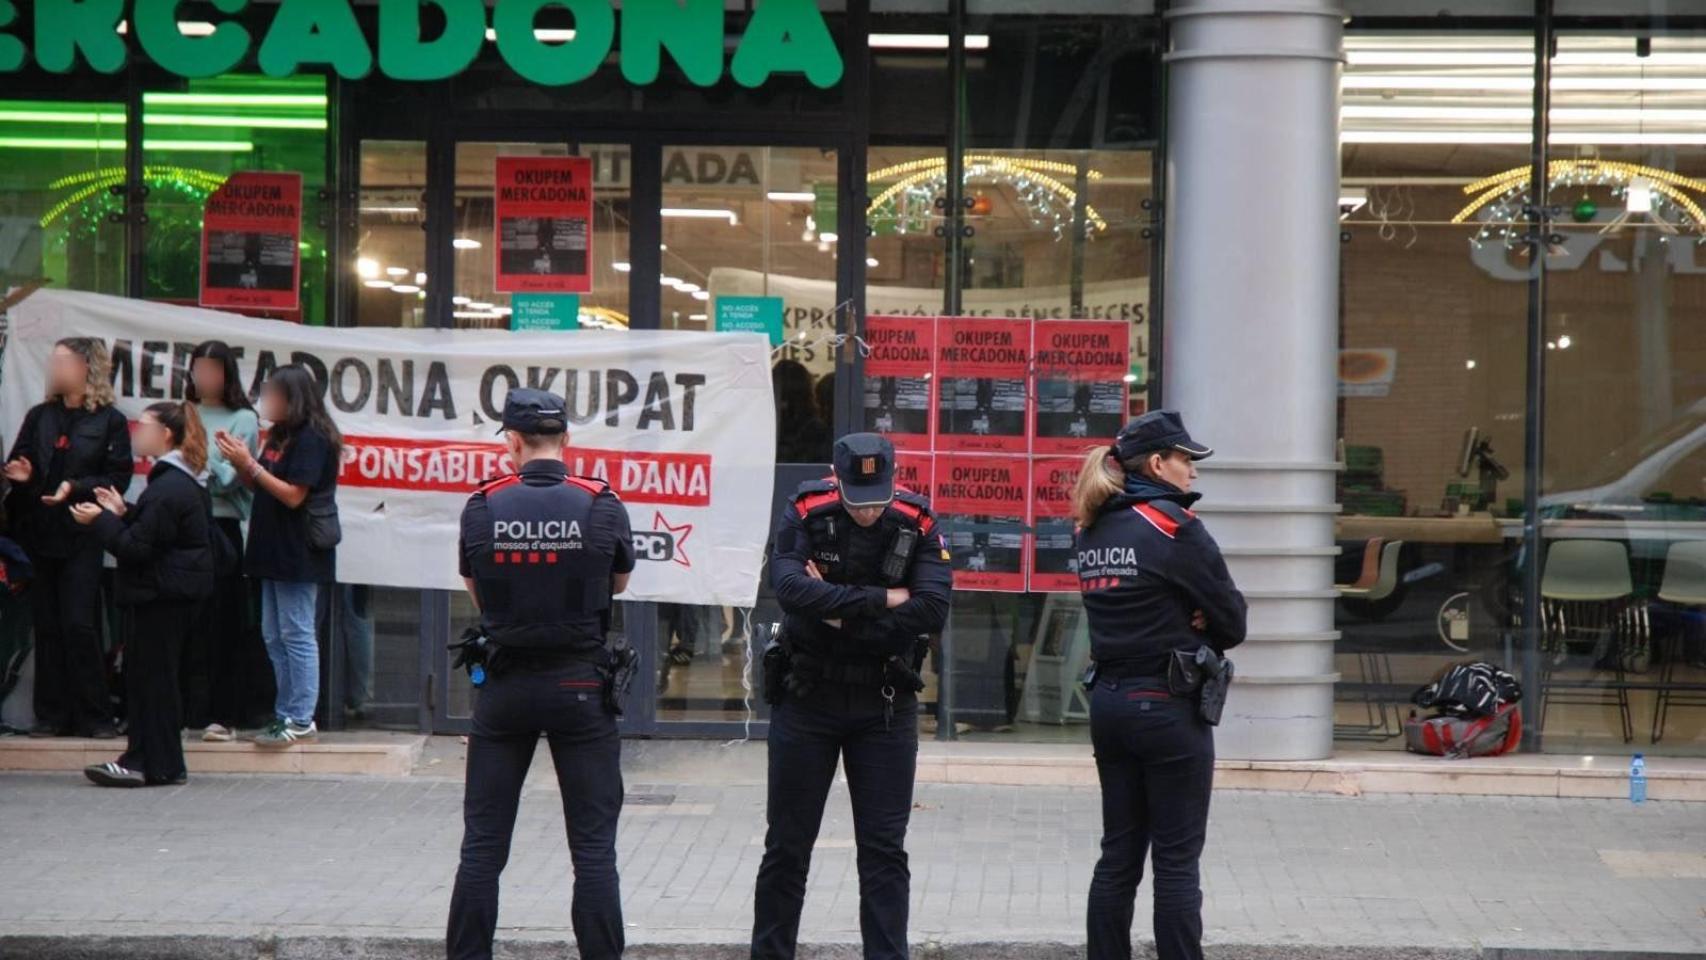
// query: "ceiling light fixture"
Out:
[924,41]
[701,213]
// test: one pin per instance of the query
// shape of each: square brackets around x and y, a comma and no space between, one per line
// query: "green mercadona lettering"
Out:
[782,36]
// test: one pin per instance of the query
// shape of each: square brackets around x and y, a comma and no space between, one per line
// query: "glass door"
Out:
[511,251]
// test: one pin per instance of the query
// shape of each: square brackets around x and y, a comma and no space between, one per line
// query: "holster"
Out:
[776,663]
[619,672]
[473,653]
[1201,673]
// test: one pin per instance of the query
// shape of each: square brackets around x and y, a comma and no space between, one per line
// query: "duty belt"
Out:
[851,674]
[1134,668]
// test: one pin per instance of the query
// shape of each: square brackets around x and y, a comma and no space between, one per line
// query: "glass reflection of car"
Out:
[1653,484]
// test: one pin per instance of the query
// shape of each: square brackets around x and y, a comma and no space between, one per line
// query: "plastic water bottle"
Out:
[1638,780]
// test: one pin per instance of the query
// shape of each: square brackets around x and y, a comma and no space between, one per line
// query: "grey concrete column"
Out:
[1251,334]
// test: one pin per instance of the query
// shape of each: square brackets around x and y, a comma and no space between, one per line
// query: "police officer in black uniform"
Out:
[1154,587]
[863,577]
[542,554]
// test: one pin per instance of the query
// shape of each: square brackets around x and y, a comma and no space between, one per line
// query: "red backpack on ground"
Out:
[1476,713]
[1459,737]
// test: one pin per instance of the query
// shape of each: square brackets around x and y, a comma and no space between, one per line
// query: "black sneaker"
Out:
[100,731]
[42,731]
[112,775]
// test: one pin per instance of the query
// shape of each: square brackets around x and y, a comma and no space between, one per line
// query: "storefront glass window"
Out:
[1055,223]
[198,134]
[1433,301]
[1624,488]
[749,237]
[391,235]
[60,161]
[598,247]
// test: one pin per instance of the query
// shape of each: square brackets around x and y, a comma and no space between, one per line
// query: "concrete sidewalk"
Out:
[272,866]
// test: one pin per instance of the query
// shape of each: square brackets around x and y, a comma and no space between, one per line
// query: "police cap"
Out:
[533,412]
[1155,432]
[864,468]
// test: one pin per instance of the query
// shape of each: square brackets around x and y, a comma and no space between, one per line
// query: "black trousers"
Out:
[65,600]
[518,702]
[1155,758]
[226,676]
[154,635]
[807,737]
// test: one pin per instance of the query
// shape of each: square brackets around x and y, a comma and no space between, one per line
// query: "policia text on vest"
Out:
[542,554]
[863,577]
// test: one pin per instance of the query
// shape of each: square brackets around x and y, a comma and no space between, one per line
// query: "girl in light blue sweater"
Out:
[227,680]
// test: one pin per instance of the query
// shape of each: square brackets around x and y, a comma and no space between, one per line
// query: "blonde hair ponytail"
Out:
[1100,478]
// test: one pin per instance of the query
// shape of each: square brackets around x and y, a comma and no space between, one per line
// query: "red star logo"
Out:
[680,534]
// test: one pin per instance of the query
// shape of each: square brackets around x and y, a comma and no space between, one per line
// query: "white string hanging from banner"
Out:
[744,633]
[826,338]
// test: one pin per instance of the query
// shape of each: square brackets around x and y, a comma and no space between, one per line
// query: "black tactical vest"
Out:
[544,582]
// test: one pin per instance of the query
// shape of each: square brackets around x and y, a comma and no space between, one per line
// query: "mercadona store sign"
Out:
[782,36]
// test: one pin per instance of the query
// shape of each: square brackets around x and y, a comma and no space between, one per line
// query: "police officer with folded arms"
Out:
[1162,610]
[863,577]
[542,554]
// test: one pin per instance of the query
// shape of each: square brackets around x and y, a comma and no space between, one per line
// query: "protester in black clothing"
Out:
[1153,583]
[298,465]
[801,434]
[165,568]
[70,444]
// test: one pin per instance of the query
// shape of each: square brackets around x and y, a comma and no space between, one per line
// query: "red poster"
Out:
[981,504]
[1054,561]
[1081,366]
[899,377]
[249,256]
[982,394]
[544,225]
[914,471]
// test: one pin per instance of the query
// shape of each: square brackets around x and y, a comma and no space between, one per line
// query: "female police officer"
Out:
[1153,583]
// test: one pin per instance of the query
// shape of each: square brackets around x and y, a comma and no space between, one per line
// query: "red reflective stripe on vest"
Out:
[807,504]
[498,483]
[1158,519]
[594,487]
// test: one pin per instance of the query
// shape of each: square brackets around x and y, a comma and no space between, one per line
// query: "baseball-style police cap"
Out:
[533,411]
[1156,431]
[864,467]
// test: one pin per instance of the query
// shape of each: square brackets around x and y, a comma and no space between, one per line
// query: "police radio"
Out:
[899,556]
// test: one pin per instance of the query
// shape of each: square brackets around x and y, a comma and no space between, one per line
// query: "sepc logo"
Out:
[663,543]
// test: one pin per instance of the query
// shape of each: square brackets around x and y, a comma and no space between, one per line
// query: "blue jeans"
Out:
[356,622]
[287,626]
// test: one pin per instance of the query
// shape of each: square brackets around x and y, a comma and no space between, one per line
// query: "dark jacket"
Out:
[815,527]
[95,452]
[163,542]
[1145,566]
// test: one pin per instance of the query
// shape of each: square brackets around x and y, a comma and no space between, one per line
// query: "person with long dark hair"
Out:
[1154,586]
[223,660]
[70,444]
[164,548]
[298,464]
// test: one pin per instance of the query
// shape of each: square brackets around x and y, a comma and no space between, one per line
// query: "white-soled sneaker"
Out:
[288,735]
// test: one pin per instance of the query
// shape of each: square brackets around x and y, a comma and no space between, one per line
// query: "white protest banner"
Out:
[681,424]
[808,306]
